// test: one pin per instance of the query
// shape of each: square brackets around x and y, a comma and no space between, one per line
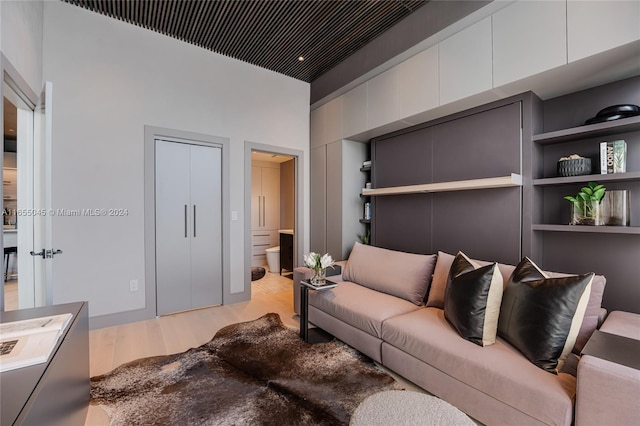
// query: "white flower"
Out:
[315,261]
[326,261]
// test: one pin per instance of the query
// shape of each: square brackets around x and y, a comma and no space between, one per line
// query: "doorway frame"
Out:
[298,228]
[13,79]
[151,133]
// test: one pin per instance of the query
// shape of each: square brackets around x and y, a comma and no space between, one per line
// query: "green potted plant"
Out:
[365,237]
[585,207]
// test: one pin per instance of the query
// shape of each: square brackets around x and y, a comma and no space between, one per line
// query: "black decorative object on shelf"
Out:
[574,167]
[614,112]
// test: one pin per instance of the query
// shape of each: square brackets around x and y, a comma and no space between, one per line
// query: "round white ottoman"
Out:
[405,408]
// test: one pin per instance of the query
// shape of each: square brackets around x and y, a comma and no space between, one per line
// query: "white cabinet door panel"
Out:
[596,26]
[354,111]
[418,83]
[383,105]
[529,37]
[465,63]
[256,197]
[270,198]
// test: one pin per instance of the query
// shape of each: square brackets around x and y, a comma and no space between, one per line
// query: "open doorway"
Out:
[272,212]
[17,187]
[272,191]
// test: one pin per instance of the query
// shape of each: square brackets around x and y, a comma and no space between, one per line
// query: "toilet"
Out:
[273,259]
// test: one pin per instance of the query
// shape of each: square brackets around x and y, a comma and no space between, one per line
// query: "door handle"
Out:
[185,221]
[40,253]
[194,221]
[264,207]
[259,210]
[46,253]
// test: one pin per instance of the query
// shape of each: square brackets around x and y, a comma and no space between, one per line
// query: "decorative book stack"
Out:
[613,157]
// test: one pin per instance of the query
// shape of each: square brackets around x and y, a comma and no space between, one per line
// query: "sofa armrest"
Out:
[606,391]
[303,273]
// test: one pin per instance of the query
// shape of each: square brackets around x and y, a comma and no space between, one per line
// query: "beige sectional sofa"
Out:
[389,306]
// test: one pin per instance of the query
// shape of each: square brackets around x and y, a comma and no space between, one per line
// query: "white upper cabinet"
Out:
[316,126]
[383,104]
[529,37]
[354,111]
[326,123]
[333,120]
[465,63]
[596,26]
[418,83]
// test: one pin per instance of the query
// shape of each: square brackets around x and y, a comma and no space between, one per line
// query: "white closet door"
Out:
[173,266]
[270,198]
[206,226]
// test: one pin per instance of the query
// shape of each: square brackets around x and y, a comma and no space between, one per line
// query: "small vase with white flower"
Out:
[319,264]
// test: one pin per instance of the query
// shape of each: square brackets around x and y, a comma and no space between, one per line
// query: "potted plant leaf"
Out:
[585,207]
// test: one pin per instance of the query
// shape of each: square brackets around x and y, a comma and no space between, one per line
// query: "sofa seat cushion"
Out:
[359,306]
[498,370]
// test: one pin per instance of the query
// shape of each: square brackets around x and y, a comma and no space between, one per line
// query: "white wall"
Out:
[110,79]
[21,39]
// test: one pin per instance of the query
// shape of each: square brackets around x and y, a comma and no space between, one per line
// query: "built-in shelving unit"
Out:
[588,134]
[366,169]
[460,185]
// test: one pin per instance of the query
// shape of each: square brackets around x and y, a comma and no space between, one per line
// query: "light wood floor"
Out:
[113,346]
[11,295]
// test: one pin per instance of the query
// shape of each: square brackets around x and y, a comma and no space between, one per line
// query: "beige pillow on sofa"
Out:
[400,274]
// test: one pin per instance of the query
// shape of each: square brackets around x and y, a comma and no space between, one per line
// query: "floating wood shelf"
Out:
[631,230]
[459,185]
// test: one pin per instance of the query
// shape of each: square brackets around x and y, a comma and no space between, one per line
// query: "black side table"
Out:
[318,335]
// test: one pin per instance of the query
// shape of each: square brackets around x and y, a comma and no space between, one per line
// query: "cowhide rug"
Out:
[253,373]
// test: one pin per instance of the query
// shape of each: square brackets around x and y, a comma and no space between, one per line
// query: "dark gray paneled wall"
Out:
[420,25]
[485,224]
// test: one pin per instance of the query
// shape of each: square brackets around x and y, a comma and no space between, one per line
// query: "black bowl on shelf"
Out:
[574,167]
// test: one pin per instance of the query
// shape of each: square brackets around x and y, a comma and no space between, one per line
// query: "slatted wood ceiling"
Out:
[269,33]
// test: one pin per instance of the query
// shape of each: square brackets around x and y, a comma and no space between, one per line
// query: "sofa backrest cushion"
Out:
[472,300]
[541,316]
[404,275]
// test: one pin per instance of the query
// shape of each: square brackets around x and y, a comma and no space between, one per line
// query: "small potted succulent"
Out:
[585,207]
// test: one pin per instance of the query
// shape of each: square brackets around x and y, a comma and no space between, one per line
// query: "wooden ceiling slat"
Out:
[268,33]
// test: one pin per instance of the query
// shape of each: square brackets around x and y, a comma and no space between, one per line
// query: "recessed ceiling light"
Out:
[11,130]
[301,58]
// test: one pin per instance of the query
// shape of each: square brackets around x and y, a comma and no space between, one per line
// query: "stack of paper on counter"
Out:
[30,342]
